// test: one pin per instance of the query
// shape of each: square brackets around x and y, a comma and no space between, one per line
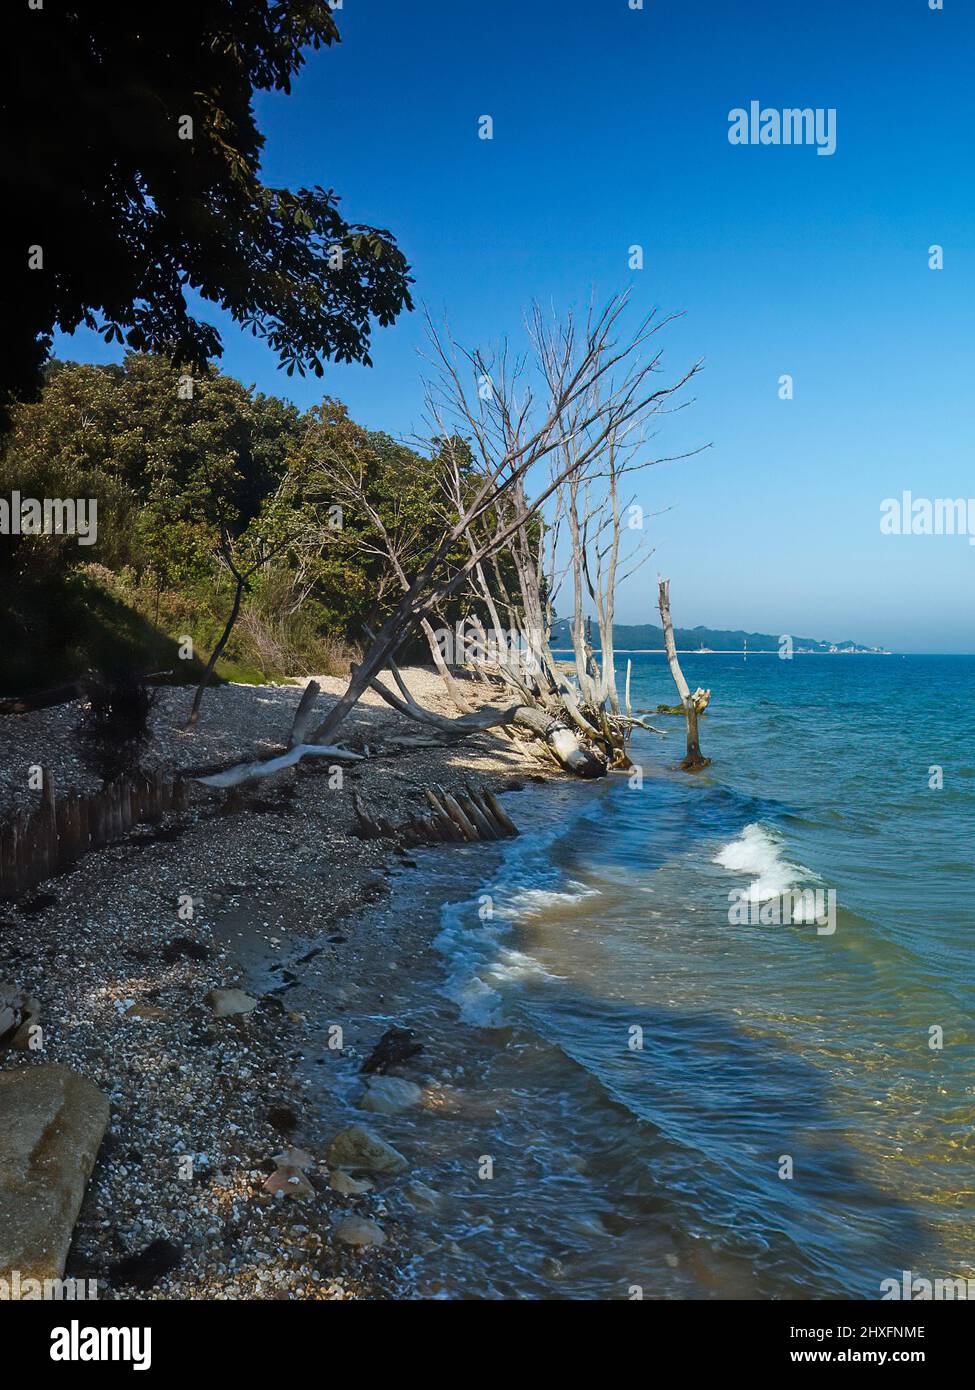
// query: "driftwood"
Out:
[303,714]
[694,759]
[297,749]
[465,816]
[564,742]
[42,699]
[252,772]
[701,699]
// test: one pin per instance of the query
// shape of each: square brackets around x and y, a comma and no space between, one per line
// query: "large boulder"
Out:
[51,1125]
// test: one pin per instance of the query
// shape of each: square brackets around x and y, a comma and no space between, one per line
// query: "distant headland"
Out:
[648,637]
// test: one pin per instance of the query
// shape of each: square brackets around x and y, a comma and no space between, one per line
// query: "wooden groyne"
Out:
[461,816]
[35,845]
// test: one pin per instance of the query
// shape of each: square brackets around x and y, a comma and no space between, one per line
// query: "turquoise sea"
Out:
[644,1075]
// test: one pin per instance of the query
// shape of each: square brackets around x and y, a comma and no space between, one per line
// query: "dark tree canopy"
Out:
[128,213]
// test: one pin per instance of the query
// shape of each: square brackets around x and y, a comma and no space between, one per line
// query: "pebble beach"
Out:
[167,967]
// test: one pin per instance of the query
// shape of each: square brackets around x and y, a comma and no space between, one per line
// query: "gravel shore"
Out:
[123,949]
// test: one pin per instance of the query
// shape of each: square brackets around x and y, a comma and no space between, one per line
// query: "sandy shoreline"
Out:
[281,891]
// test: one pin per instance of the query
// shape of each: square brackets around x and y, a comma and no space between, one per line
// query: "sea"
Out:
[658,1093]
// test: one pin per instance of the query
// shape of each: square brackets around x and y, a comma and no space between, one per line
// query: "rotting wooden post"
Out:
[4,859]
[50,820]
[694,760]
[367,826]
[152,798]
[17,828]
[78,845]
[500,814]
[476,795]
[448,831]
[84,833]
[485,830]
[28,843]
[457,815]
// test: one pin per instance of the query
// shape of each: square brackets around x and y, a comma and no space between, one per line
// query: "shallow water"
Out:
[639,1069]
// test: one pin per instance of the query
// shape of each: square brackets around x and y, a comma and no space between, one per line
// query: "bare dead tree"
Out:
[588,469]
[592,385]
[694,759]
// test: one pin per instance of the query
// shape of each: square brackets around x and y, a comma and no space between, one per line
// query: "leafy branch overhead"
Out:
[138,180]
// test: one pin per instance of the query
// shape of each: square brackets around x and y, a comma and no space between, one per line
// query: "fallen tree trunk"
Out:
[694,760]
[251,772]
[564,742]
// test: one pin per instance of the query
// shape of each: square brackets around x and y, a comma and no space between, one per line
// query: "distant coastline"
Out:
[738,651]
[648,637]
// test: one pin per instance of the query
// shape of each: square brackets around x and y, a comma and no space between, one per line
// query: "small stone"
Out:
[348,1186]
[226,1002]
[295,1158]
[20,1014]
[143,1270]
[282,1118]
[362,1151]
[358,1231]
[181,946]
[389,1095]
[419,1195]
[151,1011]
[288,1182]
[396,1046]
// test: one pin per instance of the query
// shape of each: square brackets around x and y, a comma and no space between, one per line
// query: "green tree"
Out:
[163,464]
[132,174]
[366,513]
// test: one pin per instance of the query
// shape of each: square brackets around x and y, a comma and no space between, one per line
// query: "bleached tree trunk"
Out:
[694,760]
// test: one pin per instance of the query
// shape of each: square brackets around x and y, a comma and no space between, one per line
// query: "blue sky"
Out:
[611,128]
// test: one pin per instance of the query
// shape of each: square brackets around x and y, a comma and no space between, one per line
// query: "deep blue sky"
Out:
[610,129]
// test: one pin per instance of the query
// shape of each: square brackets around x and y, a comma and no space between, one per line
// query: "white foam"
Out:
[530,901]
[480,1006]
[756,851]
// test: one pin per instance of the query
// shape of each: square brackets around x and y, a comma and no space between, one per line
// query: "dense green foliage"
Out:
[168,470]
[136,178]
